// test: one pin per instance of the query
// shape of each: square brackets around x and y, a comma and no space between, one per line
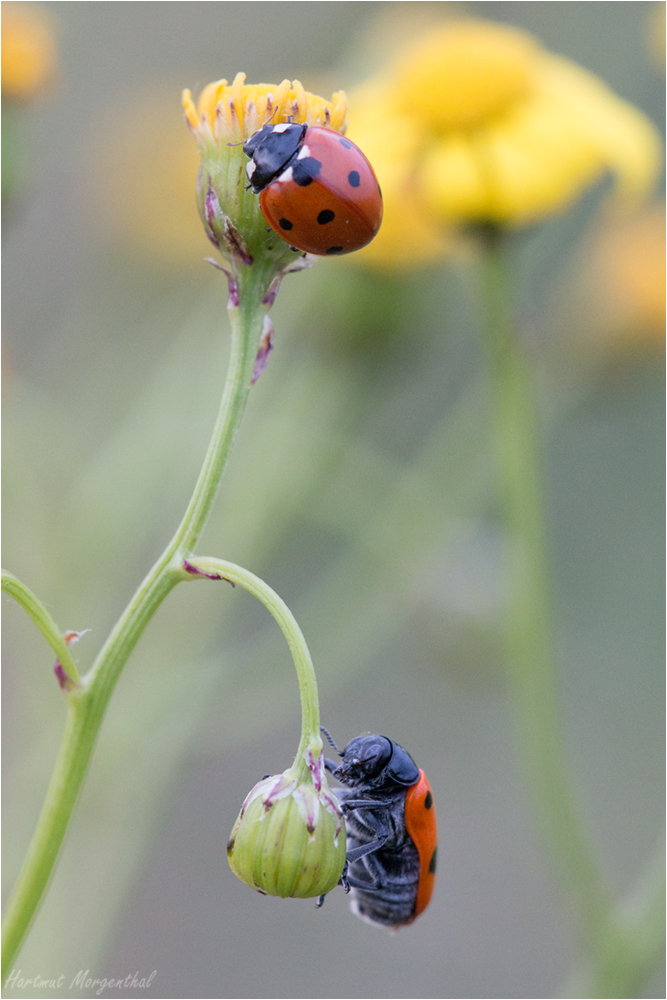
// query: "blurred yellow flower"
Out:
[28,50]
[147,177]
[488,127]
[623,278]
[232,113]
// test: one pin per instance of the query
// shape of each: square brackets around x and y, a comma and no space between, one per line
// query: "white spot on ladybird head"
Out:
[303,153]
[282,127]
[286,176]
[250,169]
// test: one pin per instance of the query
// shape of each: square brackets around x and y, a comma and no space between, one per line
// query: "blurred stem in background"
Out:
[87,700]
[621,949]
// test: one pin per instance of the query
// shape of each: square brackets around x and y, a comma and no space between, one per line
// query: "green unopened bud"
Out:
[289,838]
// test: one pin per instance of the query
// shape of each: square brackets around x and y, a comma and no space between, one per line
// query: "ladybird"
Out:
[316,189]
[391,830]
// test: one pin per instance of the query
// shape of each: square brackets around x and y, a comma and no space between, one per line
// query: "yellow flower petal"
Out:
[407,232]
[626,142]
[233,113]
[463,73]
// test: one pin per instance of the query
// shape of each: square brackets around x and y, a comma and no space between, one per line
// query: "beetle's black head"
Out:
[376,762]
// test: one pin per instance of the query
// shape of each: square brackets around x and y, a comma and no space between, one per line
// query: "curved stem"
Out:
[44,622]
[530,641]
[87,703]
[310,709]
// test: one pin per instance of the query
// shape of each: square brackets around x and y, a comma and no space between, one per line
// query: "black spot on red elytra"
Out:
[285,224]
[344,142]
[304,170]
[334,250]
[432,864]
[354,179]
[428,801]
[326,215]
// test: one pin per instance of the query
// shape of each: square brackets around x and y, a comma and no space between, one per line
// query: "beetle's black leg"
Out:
[349,882]
[343,880]
[357,883]
[330,765]
[360,852]
[348,804]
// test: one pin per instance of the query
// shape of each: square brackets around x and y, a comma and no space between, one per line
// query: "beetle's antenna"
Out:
[329,737]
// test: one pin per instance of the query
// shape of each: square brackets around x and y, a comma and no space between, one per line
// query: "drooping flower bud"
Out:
[289,838]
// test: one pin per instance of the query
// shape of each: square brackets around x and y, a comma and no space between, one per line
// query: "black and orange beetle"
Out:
[391,830]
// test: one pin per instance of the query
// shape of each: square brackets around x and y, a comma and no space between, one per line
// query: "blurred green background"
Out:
[361,489]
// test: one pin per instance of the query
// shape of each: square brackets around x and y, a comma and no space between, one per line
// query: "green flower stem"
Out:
[87,703]
[530,642]
[44,622]
[635,949]
[310,708]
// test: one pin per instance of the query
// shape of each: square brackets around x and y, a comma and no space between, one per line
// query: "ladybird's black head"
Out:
[270,150]
[377,762]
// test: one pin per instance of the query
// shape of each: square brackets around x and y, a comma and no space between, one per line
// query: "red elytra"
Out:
[324,197]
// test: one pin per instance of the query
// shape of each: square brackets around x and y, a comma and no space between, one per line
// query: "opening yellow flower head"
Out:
[488,127]
[232,113]
[224,117]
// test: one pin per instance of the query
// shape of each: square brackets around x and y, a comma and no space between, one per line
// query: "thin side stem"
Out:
[44,622]
[87,703]
[310,709]
[530,640]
